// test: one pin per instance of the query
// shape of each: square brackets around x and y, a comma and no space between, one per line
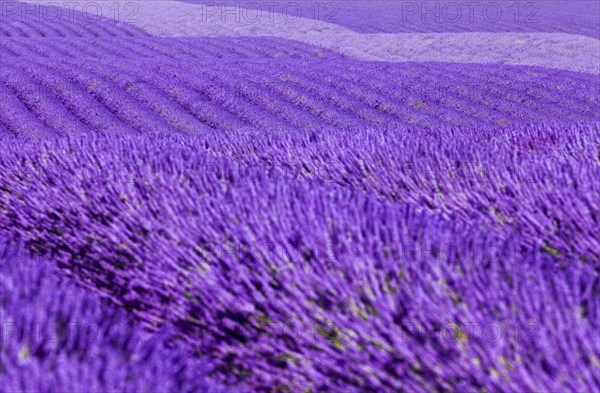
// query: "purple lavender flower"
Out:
[58,337]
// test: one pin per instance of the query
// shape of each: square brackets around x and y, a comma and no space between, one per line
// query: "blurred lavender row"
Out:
[58,337]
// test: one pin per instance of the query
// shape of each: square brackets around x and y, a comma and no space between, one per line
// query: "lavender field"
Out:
[299,196]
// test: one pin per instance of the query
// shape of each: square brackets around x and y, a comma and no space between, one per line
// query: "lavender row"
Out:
[57,337]
[35,20]
[174,48]
[188,96]
[538,180]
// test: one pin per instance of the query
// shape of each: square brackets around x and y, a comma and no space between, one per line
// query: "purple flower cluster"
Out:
[57,337]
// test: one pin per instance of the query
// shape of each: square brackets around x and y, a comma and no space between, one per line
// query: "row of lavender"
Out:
[332,281]
[41,20]
[45,95]
[536,180]
[173,48]
[58,337]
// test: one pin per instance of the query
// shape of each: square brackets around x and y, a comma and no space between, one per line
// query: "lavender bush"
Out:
[57,337]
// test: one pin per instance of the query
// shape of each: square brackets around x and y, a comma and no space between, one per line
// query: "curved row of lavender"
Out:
[57,337]
[298,220]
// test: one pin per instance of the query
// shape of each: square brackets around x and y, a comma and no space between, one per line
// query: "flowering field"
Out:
[304,196]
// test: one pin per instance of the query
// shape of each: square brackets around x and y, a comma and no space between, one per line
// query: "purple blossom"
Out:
[58,337]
